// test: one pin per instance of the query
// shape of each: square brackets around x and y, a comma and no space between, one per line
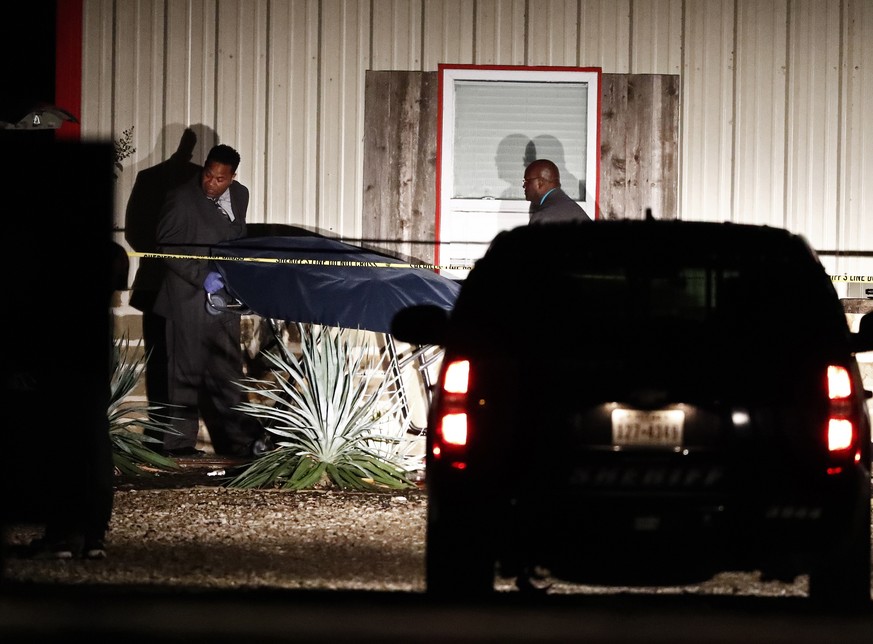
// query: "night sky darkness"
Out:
[27,54]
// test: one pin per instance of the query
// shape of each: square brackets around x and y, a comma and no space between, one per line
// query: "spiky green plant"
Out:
[129,421]
[338,420]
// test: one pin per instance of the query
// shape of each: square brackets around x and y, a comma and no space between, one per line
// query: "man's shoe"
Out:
[43,549]
[188,452]
[94,550]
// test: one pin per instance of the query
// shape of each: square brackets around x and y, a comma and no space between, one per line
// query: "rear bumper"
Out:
[627,536]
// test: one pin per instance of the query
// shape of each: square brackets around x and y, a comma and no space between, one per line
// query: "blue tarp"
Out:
[360,290]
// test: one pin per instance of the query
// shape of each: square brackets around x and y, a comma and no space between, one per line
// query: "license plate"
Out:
[636,428]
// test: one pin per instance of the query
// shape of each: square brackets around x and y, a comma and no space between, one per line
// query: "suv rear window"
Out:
[652,292]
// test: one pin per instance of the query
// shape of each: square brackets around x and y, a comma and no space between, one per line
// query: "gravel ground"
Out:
[190,560]
[186,531]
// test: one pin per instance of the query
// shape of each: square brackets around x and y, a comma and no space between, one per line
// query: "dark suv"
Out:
[646,402]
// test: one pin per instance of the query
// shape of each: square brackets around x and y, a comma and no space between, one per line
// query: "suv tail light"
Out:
[842,424]
[450,439]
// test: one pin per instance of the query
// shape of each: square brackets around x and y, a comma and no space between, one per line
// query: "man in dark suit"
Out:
[204,355]
[548,203]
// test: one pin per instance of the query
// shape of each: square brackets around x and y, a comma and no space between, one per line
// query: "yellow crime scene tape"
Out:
[302,262]
[844,278]
[859,279]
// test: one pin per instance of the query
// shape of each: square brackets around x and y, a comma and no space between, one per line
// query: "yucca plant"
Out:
[337,419]
[128,421]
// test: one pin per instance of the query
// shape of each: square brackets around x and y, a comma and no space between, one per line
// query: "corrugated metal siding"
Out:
[855,187]
[706,122]
[813,120]
[291,150]
[656,37]
[500,29]
[772,122]
[604,35]
[396,42]
[343,59]
[447,32]
[759,135]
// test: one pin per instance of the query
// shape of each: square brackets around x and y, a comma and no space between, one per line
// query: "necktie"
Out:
[220,209]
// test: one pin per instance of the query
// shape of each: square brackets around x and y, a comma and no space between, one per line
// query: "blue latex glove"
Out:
[213,282]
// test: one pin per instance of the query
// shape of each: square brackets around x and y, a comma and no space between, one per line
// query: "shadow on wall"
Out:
[511,160]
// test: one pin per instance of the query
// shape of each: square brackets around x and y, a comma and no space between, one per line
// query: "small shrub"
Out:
[337,420]
[128,421]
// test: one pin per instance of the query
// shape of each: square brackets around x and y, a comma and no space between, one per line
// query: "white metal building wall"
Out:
[774,93]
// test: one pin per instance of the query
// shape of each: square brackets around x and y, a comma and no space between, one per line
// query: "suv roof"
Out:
[540,248]
[649,277]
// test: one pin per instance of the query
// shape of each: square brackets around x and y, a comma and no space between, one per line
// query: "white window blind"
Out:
[500,127]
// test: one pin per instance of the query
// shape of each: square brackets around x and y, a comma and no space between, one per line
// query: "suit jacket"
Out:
[190,224]
[558,206]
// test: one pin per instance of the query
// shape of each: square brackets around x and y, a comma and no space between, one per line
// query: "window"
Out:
[493,122]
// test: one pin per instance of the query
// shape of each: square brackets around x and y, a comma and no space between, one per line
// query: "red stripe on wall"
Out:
[68,66]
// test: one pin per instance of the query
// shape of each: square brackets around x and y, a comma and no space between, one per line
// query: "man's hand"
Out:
[213,282]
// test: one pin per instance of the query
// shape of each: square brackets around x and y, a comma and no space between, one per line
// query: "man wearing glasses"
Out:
[548,203]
